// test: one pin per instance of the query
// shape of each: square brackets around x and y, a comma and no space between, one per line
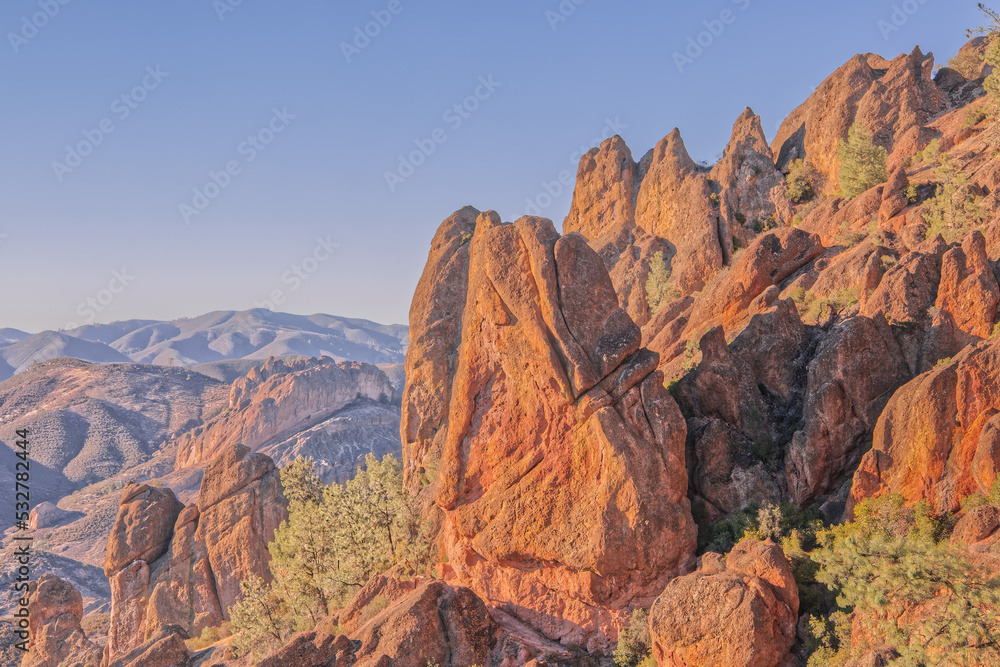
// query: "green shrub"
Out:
[634,643]
[335,538]
[862,163]
[955,208]
[740,218]
[801,181]
[893,559]
[659,291]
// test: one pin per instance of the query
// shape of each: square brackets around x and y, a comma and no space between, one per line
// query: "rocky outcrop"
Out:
[143,527]
[892,100]
[277,401]
[603,208]
[55,610]
[739,612]
[768,261]
[185,572]
[562,475]
[435,624]
[854,372]
[751,190]
[968,291]
[674,203]
[938,438]
[435,332]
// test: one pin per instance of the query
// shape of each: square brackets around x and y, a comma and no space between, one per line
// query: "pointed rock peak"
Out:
[488,220]
[671,150]
[748,127]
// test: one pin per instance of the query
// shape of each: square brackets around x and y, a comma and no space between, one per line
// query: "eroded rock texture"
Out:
[562,472]
[177,570]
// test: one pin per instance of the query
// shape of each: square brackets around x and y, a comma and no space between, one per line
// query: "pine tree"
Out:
[659,292]
[862,163]
[893,560]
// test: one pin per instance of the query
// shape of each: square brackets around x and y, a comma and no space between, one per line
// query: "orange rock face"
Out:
[55,609]
[740,613]
[185,573]
[889,99]
[562,474]
[435,332]
[938,438]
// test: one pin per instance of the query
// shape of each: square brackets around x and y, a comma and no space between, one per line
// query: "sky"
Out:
[165,159]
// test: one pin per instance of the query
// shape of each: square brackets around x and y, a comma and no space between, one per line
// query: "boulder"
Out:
[739,615]
[46,515]
[142,529]
[55,610]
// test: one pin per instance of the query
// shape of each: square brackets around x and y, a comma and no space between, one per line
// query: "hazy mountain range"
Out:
[214,337]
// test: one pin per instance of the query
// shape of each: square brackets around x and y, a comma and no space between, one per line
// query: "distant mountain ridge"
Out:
[213,337]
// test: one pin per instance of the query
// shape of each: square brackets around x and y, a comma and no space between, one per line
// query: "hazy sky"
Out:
[117,114]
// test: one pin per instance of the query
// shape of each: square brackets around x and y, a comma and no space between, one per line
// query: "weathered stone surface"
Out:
[674,204]
[165,648]
[142,529]
[209,549]
[968,291]
[767,261]
[888,99]
[749,183]
[313,649]
[435,331]
[240,506]
[563,463]
[742,615]
[436,623]
[938,438]
[604,198]
[55,609]
[978,528]
[852,376]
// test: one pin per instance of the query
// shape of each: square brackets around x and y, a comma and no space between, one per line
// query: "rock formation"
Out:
[892,100]
[739,611]
[276,400]
[561,473]
[55,610]
[175,570]
[938,438]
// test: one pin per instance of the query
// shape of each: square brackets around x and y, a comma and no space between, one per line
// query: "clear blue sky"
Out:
[323,174]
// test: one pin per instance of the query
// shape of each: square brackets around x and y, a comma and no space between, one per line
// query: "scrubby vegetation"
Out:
[335,538]
[862,163]
[957,206]
[801,181]
[894,572]
[659,291]
[634,643]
